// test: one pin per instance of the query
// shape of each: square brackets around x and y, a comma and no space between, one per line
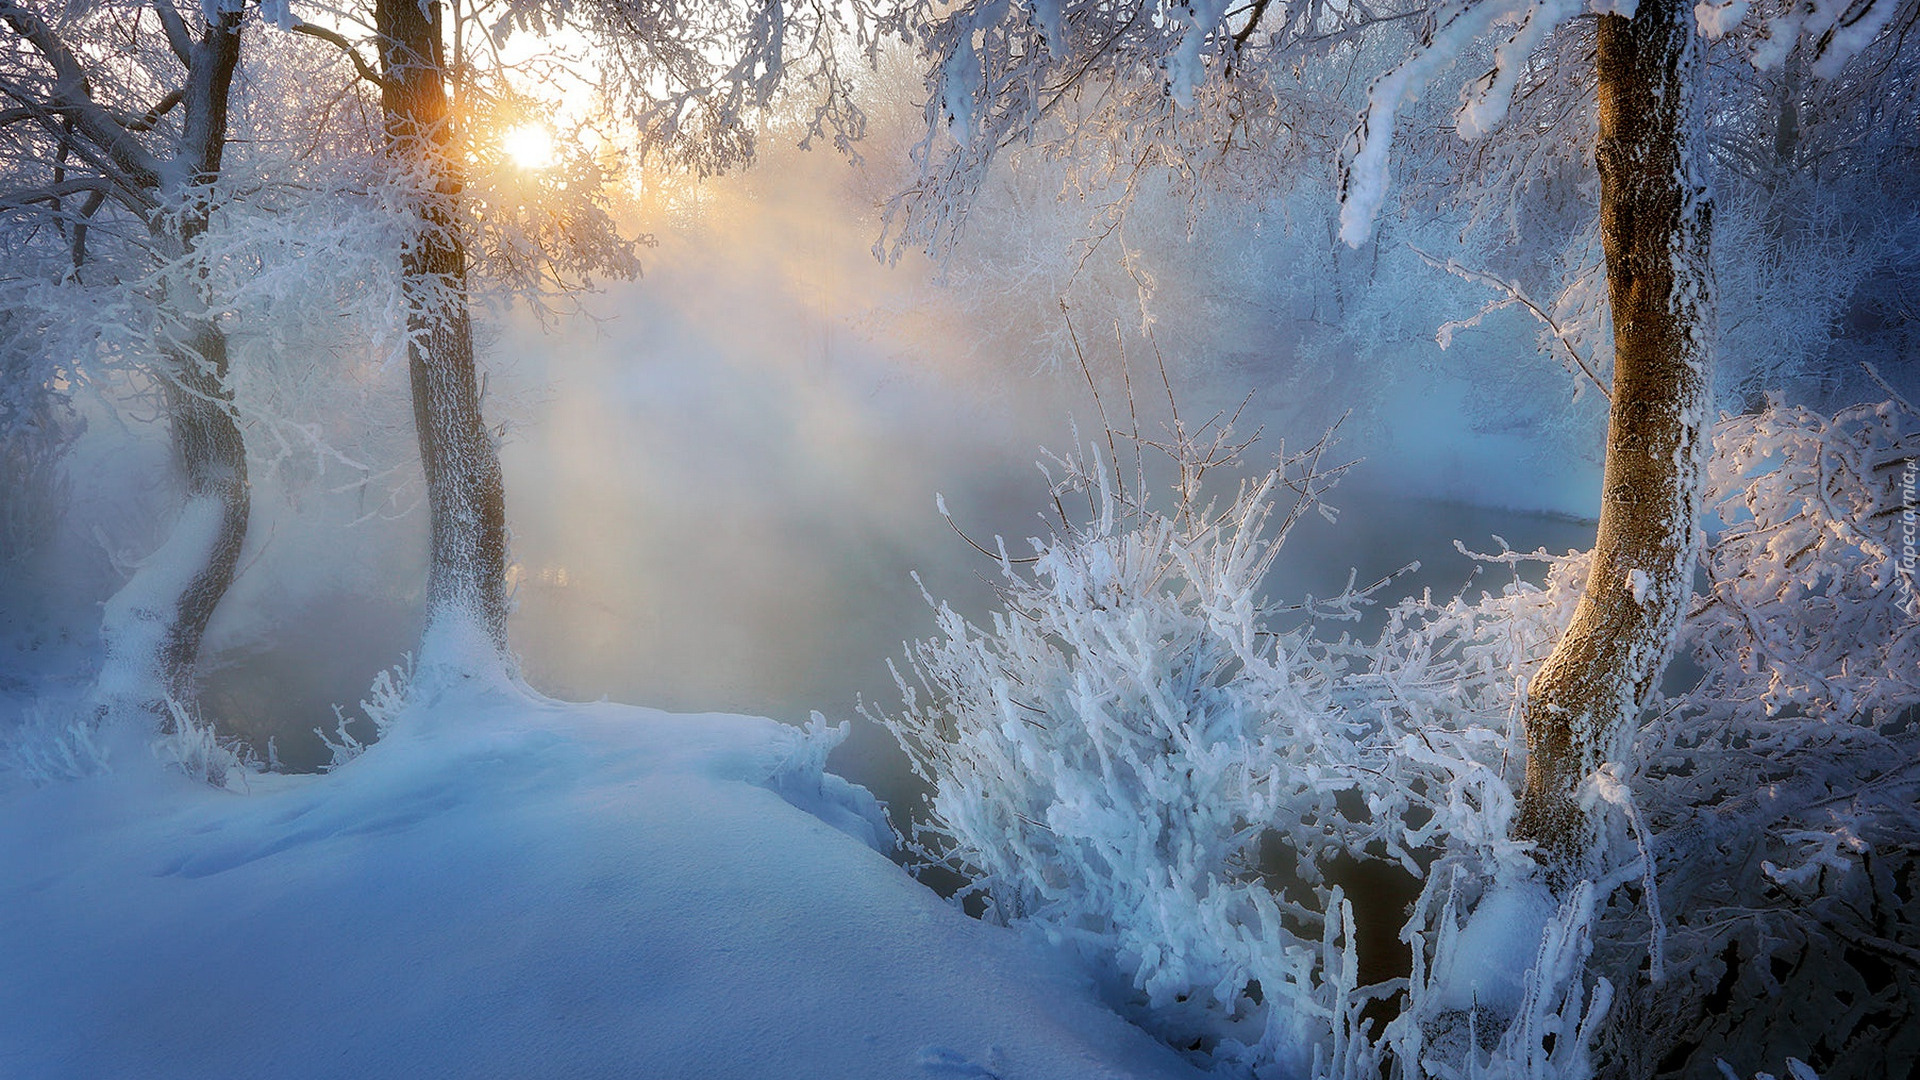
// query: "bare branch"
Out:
[1514,294]
[340,41]
[87,210]
[136,192]
[153,115]
[55,192]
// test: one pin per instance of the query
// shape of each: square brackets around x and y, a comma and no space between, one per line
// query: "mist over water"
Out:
[723,494]
[721,481]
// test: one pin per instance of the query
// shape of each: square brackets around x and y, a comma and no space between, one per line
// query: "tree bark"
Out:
[466,582]
[1655,222]
[212,457]
[154,626]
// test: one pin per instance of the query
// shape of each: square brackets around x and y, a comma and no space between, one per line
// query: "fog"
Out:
[727,483]
[721,477]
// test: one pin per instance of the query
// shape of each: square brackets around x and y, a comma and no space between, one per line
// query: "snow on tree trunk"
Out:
[153,626]
[1654,226]
[466,583]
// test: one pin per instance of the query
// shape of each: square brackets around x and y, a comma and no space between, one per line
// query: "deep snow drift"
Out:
[510,886]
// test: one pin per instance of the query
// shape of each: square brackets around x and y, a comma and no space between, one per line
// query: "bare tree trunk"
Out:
[466,583]
[153,627]
[1654,225]
[212,457]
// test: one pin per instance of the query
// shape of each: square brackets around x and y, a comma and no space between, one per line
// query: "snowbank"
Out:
[511,887]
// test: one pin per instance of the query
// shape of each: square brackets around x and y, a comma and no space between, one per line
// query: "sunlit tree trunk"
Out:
[1654,227]
[153,627]
[466,584]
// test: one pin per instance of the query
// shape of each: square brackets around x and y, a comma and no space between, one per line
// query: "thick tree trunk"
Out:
[1654,225]
[154,625]
[466,583]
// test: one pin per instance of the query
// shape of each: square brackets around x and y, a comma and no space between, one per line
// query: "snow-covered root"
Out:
[461,655]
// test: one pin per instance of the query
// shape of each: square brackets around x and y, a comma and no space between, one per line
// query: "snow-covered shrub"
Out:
[190,744]
[385,700]
[1110,756]
[1123,756]
[1137,760]
[50,745]
[1782,786]
[1771,794]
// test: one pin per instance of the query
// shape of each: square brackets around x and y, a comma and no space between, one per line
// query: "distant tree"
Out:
[1176,83]
[113,153]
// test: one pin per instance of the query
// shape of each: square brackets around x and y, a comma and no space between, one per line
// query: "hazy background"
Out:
[721,477]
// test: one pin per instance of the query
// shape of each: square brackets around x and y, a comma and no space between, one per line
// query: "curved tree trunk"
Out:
[153,626]
[1654,225]
[466,582]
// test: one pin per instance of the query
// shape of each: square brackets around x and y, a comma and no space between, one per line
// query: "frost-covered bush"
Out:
[48,745]
[1782,785]
[383,704]
[190,744]
[1498,984]
[1135,759]
[1107,754]
[52,744]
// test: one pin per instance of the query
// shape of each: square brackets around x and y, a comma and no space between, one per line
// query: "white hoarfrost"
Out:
[1365,187]
[1140,759]
[1046,16]
[959,84]
[1186,67]
[1484,103]
[1488,964]
[1640,583]
[1718,20]
[1838,28]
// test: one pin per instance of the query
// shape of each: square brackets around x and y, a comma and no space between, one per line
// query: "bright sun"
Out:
[530,145]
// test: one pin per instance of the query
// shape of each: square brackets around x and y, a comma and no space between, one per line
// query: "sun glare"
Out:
[530,145]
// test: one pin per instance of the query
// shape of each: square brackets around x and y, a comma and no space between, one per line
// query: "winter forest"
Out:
[999,539]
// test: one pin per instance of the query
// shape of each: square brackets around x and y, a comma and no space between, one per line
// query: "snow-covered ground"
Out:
[508,886]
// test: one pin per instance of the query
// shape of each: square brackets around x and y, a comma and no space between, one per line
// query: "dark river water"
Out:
[719,493]
[770,621]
